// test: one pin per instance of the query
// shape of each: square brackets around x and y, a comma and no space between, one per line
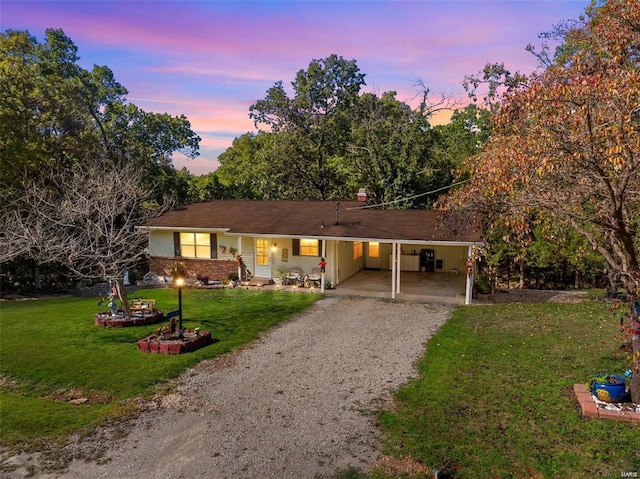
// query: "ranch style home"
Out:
[404,246]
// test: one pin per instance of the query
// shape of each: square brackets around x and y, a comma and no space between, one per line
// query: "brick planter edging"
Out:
[105,319]
[153,344]
[589,407]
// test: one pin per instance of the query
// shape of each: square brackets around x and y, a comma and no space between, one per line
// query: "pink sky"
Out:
[211,60]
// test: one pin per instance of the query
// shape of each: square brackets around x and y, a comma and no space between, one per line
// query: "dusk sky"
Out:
[211,60]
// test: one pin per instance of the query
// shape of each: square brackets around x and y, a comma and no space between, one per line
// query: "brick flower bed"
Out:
[137,318]
[175,345]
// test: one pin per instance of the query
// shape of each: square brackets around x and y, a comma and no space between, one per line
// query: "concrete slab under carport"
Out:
[444,288]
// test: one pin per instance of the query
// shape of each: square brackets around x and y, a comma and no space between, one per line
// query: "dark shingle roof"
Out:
[318,219]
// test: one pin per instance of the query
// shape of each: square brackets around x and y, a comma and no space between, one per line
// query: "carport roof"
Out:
[321,219]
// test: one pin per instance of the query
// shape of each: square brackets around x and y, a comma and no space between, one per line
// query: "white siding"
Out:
[161,243]
[453,257]
[348,266]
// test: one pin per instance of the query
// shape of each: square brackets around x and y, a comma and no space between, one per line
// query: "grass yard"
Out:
[494,397]
[51,351]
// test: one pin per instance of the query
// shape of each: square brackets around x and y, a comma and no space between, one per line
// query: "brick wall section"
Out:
[214,269]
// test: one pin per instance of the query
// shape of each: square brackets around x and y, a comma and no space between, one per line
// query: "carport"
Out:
[442,288]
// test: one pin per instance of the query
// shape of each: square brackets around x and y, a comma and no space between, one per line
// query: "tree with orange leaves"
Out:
[566,141]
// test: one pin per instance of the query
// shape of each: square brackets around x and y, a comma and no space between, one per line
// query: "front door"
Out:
[263,267]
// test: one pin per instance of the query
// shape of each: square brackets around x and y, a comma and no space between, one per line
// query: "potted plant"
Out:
[608,387]
[281,275]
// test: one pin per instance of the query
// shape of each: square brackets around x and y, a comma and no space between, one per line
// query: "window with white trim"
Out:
[262,252]
[309,247]
[195,245]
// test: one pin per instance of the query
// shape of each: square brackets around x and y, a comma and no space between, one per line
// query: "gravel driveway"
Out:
[298,403]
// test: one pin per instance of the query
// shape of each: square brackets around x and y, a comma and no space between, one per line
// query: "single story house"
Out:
[273,235]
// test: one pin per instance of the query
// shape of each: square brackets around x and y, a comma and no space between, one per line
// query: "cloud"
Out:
[212,60]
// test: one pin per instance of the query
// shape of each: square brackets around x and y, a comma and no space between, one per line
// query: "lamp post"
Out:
[180,284]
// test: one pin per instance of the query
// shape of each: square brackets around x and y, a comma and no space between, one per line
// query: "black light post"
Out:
[180,284]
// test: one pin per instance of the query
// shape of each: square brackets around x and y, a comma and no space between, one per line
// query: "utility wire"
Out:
[409,198]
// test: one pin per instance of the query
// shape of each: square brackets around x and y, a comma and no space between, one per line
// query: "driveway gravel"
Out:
[298,403]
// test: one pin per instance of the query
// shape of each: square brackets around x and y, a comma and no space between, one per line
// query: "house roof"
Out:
[320,219]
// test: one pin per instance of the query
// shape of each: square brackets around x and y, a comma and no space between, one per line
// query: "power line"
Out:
[410,197]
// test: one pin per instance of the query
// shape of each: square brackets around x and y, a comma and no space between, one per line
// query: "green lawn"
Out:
[494,398]
[51,350]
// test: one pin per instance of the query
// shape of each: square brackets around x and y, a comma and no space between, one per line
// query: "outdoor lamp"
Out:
[180,284]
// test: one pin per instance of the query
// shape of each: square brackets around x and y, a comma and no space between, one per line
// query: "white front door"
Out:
[263,267]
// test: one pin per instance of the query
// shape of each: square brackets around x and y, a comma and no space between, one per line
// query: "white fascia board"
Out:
[368,240]
[184,229]
[331,238]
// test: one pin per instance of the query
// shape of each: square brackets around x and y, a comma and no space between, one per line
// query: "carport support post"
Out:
[324,255]
[393,271]
[399,264]
[470,276]
[239,254]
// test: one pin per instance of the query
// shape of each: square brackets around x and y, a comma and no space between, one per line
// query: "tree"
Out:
[85,218]
[55,113]
[464,136]
[312,126]
[60,122]
[566,142]
[251,168]
[389,152]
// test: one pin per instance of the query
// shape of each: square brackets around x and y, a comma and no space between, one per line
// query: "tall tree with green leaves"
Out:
[55,113]
[71,143]
[389,152]
[464,136]
[249,169]
[313,125]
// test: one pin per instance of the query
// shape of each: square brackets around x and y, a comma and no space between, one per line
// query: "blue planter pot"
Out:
[611,390]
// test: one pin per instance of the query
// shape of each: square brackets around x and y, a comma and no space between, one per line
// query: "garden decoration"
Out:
[171,339]
[609,388]
[141,312]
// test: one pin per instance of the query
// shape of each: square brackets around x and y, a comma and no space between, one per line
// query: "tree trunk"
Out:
[494,281]
[36,278]
[612,289]
[634,387]
[521,284]
[122,294]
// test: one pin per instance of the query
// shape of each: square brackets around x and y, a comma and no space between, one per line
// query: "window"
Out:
[309,247]
[306,247]
[262,252]
[374,249]
[195,245]
[357,249]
